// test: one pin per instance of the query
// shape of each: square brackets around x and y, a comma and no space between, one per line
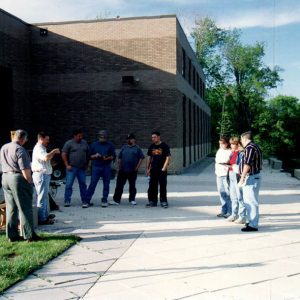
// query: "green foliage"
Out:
[278,127]
[19,259]
[237,79]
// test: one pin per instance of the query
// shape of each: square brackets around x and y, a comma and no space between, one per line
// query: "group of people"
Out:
[238,164]
[21,175]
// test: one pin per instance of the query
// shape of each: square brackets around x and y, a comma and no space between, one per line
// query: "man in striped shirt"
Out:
[250,180]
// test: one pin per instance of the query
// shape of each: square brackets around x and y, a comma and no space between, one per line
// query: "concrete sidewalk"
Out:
[183,252]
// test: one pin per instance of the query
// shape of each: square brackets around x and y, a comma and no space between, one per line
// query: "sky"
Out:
[276,23]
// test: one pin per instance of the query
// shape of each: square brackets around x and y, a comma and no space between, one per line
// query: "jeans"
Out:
[236,196]
[70,177]
[97,172]
[121,181]
[41,182]
[157,177]
[223,190]
[250,194]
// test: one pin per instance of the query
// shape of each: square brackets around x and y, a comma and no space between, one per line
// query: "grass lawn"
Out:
[19,259]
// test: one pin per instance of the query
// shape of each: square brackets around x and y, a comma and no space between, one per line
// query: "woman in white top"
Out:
[221,171]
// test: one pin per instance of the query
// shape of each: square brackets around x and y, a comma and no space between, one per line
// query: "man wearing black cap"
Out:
[130,159]
[102,154]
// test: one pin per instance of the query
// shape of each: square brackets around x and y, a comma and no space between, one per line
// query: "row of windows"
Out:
[190,73]
[196,132]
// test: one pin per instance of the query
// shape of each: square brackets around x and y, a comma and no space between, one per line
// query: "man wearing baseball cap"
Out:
[129,160]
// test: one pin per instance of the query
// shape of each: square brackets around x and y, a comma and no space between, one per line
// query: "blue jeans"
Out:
[223,189]
[41,183]
[70,177]
[236,196]
[250,194]
[97,172]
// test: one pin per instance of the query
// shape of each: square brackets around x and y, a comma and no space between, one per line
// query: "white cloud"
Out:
[262,18]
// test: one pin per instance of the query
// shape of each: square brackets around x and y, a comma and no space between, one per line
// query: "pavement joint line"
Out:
[104,272]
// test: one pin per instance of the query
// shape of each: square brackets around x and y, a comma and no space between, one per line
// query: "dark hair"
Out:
[77,131]
[42,135]
[247,135]
[224,139]
[156,133]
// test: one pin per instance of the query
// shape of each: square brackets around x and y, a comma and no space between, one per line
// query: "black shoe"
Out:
[67,205]
[46,222]
[16,239]
[34,238]
[220,216]
[249,228]
[151,204]
[91,204]
[164,204]
[51,216]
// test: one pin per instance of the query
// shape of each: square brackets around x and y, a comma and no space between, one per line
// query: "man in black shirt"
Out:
[157,163]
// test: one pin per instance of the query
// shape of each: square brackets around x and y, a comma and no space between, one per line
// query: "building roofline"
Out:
[105,20]
[13,16]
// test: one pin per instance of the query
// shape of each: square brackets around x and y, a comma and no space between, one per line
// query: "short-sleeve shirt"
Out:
[39,164]
[14,158]
[104,149]
[77,153]
[130,156]
[158,154]
[253,158]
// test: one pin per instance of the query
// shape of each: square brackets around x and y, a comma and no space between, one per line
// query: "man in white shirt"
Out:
[42,170]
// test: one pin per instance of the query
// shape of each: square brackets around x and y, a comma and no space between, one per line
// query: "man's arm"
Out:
[245,171]
[165,166]
[139,164]
[148,166]
[51,154]
[64,157]
[27,175]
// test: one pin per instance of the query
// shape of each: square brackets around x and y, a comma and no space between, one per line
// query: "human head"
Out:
[223,142]
[246,138]
[43,138]
[103,135]
[234,142]
[20,136]
[155,136]
[78,135]
[130,139]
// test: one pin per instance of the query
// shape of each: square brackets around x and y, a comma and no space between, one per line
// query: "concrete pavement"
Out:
[183,252]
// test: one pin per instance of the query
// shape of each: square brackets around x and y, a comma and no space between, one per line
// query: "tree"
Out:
[235,74]
[279,127]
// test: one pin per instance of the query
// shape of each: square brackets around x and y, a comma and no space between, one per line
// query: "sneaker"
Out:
[85,205]
[51,216]
[112,202]
[132,202]
[222,216]
[104,204]
[240,221]
[249,228]
[91,204]
[151,204]
[164,204]
[231,218]
[67,205]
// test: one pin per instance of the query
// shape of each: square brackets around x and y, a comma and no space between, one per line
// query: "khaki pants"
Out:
[18,198]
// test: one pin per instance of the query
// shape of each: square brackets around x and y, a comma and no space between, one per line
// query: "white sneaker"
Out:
[112,202]
[231,219]
[104,204]
[133,202]
[240,221]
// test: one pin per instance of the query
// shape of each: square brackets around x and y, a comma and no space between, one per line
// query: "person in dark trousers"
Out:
[18,188]
[75,155]
[129,160]
[102,155]
[157,163]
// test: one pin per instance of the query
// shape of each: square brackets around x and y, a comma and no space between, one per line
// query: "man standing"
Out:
[17,186]
[102,155]
[157,163]
[42,170]
[130,159]
[75,155]
[250,180]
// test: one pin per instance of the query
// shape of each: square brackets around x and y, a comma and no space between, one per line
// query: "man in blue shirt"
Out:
[102,154]
[130,159]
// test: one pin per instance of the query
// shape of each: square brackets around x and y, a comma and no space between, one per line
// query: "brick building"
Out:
[123,75]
